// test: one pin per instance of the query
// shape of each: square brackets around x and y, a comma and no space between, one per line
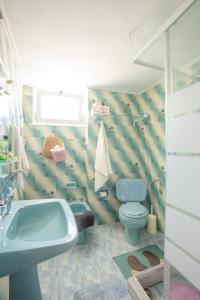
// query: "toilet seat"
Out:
[133,210]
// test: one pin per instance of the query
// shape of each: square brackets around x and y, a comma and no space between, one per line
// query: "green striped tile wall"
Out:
[47,179]
[136,151]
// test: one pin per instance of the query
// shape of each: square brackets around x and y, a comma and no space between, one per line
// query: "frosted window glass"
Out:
[59,108]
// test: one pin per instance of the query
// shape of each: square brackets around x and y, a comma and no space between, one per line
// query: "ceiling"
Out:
[67,45]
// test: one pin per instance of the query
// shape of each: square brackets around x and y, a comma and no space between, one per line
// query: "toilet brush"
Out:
[151,222]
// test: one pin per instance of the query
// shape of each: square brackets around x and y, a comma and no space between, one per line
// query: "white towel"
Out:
[102,162]
[17,147]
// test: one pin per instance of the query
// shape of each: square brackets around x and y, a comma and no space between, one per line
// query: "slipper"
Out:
[152,258]
[135,264]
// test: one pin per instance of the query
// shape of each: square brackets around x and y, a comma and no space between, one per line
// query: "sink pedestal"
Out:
[24,285]
[35,231]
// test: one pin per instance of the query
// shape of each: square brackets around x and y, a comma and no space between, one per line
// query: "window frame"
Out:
[38,120]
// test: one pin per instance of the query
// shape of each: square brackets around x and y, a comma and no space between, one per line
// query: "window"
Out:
[58,109]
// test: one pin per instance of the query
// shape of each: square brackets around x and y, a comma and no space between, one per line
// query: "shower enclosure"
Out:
[182,217]
[179,63]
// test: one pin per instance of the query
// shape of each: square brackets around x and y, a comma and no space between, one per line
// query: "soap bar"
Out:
[151,224]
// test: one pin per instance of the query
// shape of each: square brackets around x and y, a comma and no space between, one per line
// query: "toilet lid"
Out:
[133,210]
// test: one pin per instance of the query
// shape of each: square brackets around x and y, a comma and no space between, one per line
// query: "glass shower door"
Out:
[182,218]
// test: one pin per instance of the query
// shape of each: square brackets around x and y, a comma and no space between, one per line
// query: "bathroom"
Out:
[98,150]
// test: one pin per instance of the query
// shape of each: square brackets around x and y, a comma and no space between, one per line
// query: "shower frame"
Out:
[169,90]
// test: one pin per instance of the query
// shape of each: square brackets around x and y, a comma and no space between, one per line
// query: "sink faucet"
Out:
[7,192]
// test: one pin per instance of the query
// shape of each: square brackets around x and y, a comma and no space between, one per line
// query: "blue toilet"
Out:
[132,214]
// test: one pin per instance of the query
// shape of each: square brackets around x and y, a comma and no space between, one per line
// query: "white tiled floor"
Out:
[90,263]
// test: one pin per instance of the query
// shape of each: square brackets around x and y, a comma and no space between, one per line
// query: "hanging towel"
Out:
[17,147]
[102,162]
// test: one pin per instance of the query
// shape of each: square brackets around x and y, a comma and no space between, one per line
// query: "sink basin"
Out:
[35,230]
[45,222]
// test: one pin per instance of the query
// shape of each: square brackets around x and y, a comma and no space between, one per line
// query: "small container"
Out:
[58,154]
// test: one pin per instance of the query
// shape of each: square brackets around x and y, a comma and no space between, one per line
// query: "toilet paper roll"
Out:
[151,224]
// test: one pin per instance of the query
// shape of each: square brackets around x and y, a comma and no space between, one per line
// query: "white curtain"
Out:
[14,98]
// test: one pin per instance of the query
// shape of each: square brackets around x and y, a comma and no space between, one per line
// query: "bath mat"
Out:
[122,260]
[181,291]
[114,288]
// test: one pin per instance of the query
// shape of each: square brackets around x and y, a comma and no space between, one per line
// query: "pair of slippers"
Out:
[138,266]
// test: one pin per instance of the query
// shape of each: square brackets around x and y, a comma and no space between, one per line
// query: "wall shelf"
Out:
[7,163]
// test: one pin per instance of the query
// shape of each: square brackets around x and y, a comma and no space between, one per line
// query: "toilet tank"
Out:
[131,190]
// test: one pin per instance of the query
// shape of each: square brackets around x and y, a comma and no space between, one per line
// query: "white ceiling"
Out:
[67,45]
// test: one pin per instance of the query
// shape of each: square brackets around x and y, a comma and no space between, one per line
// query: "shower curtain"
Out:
[13,96]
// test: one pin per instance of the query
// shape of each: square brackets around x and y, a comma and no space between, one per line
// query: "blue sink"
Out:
[46,222]
[35,230]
